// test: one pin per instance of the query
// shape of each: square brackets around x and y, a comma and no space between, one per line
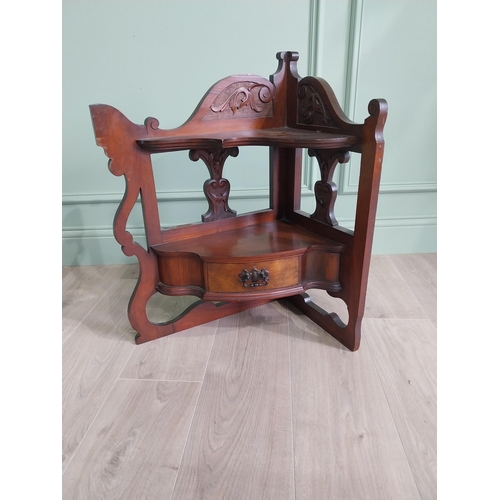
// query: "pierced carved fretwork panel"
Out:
[311,108]
[216,188]
[325,190]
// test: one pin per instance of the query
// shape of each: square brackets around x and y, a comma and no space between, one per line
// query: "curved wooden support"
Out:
[348,335]
[325,190]
[117,135]
[216,188]
[199,313]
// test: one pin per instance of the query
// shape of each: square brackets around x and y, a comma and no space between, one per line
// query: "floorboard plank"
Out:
[93,357]
[273,407]
[135,445]
[82,289]
[388,295]
[345,440]
[240,445]
[181,356]
[420,273]
[404,352]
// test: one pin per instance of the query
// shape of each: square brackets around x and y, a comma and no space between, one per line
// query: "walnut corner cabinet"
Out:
[233,262]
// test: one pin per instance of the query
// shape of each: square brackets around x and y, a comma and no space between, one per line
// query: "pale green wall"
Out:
[157,58]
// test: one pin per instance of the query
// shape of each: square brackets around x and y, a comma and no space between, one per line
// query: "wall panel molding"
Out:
[351,82]
[392,187]
[315,26]
[334,36]
[97,245]
[162,196]
[309,177]
[353,52]
[347,176]
[138,231]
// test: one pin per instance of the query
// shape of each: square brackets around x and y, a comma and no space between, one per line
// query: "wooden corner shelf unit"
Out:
[235,262]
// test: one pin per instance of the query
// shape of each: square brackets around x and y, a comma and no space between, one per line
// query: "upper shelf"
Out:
[279,137]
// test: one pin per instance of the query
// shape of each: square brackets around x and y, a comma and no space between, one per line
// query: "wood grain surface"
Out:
[420,272]
[389,295]
[240,444]
[93,358]
[409,382]
[82,287]
[259,405]
[182,356]
[346,443]
[135,445]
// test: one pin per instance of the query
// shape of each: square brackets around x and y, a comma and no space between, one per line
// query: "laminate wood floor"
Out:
[259,405]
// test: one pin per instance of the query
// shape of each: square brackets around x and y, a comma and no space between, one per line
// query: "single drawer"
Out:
[248,276]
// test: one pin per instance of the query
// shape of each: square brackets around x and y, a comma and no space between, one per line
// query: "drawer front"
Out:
[252,276]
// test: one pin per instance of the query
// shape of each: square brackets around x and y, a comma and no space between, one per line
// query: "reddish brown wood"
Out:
[257,241]
[325,190]
[227,277]
[216,188]
[210,266]
[279,137]
[197,314]
[250,259]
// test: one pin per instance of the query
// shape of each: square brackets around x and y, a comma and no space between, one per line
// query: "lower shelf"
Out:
[269,260]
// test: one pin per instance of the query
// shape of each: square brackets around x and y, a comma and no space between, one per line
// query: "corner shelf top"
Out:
[279,137]
[264,240]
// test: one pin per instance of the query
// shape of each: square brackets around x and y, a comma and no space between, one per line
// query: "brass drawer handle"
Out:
[254,277]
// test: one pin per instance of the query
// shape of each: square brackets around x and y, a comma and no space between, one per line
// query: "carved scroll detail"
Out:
[243,99]
[311,109]
[325,190]
[216,188]
[151,123]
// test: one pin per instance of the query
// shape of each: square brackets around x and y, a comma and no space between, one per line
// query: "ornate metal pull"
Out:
[254,277]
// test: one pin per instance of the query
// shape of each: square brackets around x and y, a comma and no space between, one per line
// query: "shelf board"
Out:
[279,137]
[270,238]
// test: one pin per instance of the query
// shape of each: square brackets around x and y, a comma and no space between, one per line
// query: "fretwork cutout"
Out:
[325,190]
[216,188]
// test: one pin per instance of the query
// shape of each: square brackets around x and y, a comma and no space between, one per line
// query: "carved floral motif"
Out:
[312,109]
[244,98]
